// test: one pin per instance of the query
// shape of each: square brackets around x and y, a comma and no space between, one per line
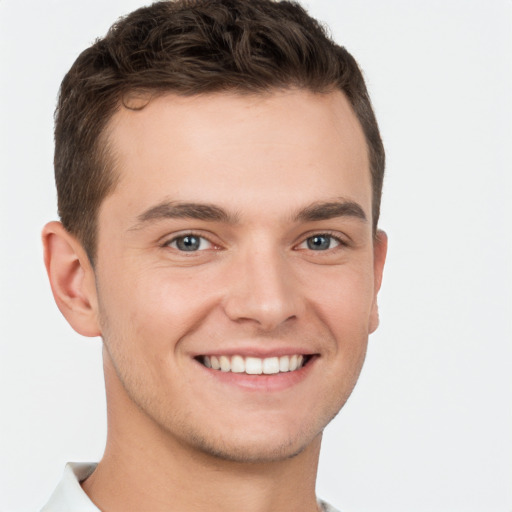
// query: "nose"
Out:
[262,290]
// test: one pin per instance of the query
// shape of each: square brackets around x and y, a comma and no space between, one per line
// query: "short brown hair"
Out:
[191,47]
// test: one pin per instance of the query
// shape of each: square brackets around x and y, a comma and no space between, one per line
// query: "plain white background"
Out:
[429,427]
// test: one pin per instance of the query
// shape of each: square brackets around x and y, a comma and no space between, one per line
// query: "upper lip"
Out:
[260,352]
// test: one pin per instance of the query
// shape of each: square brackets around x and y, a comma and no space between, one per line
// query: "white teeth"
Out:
[225,363]
[271,365]
[254,365]
[237,364]
[284,364]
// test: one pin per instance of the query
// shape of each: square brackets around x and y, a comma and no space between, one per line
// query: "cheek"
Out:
[345,298]
[154,307]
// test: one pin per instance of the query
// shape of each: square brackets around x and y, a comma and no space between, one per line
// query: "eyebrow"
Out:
[330,210]
[177,210]
[212,213]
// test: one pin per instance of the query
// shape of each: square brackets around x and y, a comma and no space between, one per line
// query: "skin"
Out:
[274,171]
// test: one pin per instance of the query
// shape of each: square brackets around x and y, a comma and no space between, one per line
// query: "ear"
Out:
[380,248]
[71,278]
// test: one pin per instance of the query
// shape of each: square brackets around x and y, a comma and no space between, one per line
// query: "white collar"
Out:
[69,495]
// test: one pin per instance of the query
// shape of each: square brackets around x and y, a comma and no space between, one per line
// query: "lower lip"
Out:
[266,383]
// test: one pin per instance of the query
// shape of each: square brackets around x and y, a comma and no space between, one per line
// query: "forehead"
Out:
[237,150]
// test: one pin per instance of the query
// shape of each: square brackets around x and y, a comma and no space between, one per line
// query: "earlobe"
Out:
[71,279]
[380,249]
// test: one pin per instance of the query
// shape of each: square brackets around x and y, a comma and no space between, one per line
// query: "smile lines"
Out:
[254,365]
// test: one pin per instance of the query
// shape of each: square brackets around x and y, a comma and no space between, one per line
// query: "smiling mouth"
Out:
[255,365]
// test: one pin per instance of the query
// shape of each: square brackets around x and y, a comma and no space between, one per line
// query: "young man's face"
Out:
[240,232]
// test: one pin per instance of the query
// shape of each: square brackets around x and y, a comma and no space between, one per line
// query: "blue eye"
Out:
[190,243]
[320,243]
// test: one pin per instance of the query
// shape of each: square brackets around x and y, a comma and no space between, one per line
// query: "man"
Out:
[219,171]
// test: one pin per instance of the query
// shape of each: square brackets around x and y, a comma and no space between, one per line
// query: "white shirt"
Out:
[70,497]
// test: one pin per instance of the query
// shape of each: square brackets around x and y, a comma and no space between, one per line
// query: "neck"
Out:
[145,468]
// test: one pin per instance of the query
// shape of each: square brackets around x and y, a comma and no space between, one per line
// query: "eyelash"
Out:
[190,234]
[341,242]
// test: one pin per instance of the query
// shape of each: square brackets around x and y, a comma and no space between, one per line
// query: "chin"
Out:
[252,451]
[263,441]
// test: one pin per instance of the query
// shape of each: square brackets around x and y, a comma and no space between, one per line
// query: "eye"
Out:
[190,243]
[321,242]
